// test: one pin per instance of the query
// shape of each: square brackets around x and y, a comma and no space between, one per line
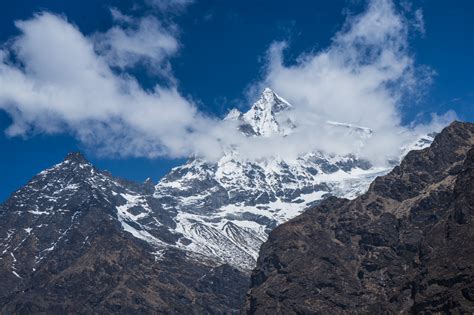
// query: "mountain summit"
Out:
[265,116]
[76,157]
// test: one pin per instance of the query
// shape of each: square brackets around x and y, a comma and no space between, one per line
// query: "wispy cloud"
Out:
[54,79]
[170,5]
[419,21]
[137,40]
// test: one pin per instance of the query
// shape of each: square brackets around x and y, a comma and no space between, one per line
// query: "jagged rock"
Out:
[405,246]
[67,246]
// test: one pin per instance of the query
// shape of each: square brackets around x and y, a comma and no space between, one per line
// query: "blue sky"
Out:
[221,55]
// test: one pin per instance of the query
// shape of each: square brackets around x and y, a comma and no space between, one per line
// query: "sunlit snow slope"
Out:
[216,212]
[225,210]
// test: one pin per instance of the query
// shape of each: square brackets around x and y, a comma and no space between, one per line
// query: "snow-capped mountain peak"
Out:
[272,115]
[234,114]
[214,211]
[266,117]
[269,101]
[76,157]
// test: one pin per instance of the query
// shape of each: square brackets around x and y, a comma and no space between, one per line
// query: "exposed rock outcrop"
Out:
[406,246]
[68,246]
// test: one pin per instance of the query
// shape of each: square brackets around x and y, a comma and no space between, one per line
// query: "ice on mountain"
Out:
[220,212]
[263,118]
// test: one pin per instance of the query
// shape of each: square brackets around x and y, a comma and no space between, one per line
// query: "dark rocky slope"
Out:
[406,246]
[63,249]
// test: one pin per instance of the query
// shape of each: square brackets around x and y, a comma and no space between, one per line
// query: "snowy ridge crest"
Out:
[218,212]
[266,116]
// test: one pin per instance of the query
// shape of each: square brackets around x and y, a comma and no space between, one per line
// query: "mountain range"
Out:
[78,239]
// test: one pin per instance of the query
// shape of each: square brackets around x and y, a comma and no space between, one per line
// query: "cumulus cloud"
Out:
[361,78]
[54,79]
[134,41]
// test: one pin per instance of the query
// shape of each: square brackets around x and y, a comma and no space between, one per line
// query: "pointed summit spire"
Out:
[76,157]
[265,117]
[268,92]
[271,101]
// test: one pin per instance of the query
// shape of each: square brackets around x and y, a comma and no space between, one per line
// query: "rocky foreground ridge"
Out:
[405,246]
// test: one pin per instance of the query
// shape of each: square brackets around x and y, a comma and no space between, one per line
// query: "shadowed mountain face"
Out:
[405,246]
[66,247]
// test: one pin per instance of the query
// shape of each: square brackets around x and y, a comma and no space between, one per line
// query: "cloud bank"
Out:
[54,79]
[362,78]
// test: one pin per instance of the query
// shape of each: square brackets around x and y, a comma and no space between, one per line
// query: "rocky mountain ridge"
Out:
[187,243]
[69,244]
[226,209]
[402,247]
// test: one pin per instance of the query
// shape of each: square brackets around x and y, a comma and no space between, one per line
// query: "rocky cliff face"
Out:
[405,246]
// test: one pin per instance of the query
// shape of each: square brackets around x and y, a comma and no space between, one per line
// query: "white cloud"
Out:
[53,79]
[361,79]
[143,40]
[57,82]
